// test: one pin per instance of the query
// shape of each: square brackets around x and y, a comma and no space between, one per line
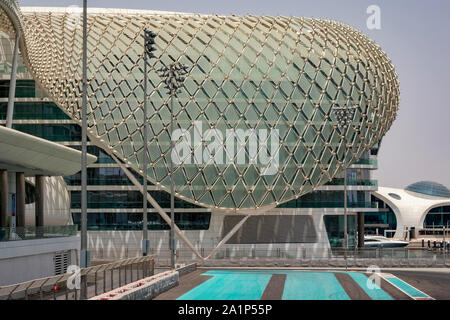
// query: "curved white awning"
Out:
[21,152]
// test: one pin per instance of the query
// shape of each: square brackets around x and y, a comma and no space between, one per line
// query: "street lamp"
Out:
[173,76]
[344,116]
[149,41]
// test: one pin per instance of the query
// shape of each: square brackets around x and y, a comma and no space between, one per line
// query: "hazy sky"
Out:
[414,34]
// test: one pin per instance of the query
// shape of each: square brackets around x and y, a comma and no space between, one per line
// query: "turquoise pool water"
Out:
[299,285]
[230,285]
[304,285]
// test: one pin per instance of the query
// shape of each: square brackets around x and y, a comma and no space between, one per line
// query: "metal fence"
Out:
[100,278]
[315,257]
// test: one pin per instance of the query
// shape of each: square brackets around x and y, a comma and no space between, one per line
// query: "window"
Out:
[34,111]
[133,221]
[53,132]
[24,89]
[334,225]
[125,199]
[100,177]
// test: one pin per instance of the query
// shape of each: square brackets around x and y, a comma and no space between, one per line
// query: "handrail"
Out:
[22,290]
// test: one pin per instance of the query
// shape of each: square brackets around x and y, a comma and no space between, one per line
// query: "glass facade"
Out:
[249,73]
[24,88]
[438,217]
[103,176]
[36,109]
[274,89]
[102,156]
[353,182]
[330,199]
[133,221]
[335,230]
[39,110]
[125,199]
[108,199]
[52,132]
[379,222]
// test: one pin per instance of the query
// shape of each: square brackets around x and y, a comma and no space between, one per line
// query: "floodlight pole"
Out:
[172,190]
[173,78]
[149,41]
[84,253]
[145,164]
[345,200]
[344,118]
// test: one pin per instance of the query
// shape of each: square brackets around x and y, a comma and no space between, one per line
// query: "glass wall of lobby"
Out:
[383,222]
[437,221]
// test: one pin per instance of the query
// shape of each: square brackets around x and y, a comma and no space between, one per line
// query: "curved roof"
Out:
[21,152]
[429,188]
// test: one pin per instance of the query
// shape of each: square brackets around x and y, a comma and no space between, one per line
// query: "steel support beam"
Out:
[228,236]
[12,84]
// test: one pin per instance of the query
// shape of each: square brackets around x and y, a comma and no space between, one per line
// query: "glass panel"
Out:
[53,132]
[133,221]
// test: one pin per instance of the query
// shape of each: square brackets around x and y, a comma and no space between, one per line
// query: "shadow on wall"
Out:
[56,206]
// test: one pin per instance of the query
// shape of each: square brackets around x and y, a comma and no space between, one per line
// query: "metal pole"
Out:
[145,164]
[4,192]
[444,244]
[12,84]
[84,260]
[345,207]
[172,190]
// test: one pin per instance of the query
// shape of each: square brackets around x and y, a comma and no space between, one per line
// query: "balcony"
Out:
[328,204]
[368,162]
[351,182]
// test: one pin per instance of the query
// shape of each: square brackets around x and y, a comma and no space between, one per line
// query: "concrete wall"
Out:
[25,260]
[186,269]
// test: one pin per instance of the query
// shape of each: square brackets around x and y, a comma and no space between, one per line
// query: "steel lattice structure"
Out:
[282,73]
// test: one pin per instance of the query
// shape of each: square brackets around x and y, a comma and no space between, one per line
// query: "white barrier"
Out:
[144,289]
